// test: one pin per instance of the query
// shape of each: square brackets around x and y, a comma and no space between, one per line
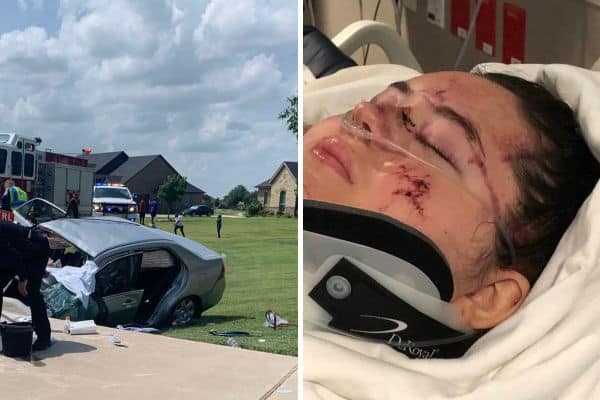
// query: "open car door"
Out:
[122,307]
[116,290]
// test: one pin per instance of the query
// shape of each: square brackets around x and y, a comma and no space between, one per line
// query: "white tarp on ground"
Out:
[80,281]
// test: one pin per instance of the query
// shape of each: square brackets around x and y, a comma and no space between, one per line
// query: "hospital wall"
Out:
[556,31]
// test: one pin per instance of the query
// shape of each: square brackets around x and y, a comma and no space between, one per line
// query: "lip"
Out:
[337,155]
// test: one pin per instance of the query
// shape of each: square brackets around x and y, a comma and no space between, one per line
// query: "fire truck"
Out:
[41,173]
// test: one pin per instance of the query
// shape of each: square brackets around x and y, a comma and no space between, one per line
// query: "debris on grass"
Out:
[273,320]
[229,333]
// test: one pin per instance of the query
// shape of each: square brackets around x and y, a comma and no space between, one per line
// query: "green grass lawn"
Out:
[261,273]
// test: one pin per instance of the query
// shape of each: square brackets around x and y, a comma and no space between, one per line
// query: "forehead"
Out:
[492,109]
[469,92]
[464,89]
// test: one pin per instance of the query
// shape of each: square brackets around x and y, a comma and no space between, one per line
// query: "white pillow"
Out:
[339,92]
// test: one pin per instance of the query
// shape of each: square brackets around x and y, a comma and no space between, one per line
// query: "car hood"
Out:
[112,200]
[98,234]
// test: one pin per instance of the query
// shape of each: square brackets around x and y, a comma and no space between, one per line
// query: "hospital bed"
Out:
[549,349]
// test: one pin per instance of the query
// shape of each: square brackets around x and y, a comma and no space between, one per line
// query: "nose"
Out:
[368,117]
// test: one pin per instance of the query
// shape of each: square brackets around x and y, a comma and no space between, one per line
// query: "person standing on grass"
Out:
[219,225]
[178,225]
[143,208]
[153,210]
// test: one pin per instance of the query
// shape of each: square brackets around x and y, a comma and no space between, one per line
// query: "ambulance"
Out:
[114,199]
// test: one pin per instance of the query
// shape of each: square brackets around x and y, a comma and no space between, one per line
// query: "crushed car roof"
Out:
[98,234]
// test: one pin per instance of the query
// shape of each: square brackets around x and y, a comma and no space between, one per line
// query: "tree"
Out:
[252,196]
[208,200]
[290,115]
[236,195]
[172,190]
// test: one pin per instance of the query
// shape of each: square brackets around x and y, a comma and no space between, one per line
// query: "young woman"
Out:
[492,169]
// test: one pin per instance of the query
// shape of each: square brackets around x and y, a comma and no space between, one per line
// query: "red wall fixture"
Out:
[485,28]
[513,37]
[459,18]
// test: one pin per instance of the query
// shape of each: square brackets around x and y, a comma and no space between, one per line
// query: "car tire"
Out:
[185,311]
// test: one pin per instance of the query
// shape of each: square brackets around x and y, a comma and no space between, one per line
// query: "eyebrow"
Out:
[448,113]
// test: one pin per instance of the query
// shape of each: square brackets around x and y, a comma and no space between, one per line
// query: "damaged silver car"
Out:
[144,275]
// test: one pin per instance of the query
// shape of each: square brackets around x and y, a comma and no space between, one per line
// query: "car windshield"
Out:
[39,210]
[193,207]
[117,192]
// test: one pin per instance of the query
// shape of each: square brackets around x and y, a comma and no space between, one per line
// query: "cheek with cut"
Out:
[413,186]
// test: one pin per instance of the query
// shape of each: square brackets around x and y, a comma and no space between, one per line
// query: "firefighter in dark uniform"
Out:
[24,253]
[73,206]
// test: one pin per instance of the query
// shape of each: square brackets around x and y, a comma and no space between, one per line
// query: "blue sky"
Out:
[200,82]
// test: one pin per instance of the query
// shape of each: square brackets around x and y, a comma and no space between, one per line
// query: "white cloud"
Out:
[127,75]
[24,5]
[250,80]
[241,27]
[25,109]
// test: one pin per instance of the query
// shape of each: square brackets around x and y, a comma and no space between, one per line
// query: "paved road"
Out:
[149,367]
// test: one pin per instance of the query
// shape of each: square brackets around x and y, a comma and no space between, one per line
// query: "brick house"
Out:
[279,194]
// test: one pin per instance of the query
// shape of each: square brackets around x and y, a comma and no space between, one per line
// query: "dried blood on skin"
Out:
[418,186]
[439,95]
[476,159]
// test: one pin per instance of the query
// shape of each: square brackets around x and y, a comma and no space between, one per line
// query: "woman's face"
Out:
[462,131]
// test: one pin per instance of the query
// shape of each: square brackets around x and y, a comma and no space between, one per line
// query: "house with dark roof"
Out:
[141,174]
[279,194]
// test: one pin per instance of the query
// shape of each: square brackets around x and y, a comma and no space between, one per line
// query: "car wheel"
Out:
[184,311]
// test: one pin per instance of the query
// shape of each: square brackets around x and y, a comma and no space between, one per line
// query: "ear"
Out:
[501,294]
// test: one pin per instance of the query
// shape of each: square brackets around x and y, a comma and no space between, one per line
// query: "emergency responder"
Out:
[24,252]
[5,197]
[73,206]
[14,195]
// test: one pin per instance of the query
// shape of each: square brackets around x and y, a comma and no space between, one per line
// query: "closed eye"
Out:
[412,128]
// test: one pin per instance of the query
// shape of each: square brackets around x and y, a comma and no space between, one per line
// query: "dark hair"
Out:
[554,176]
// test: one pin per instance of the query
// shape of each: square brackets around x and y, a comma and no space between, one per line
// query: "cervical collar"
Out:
[377,279]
